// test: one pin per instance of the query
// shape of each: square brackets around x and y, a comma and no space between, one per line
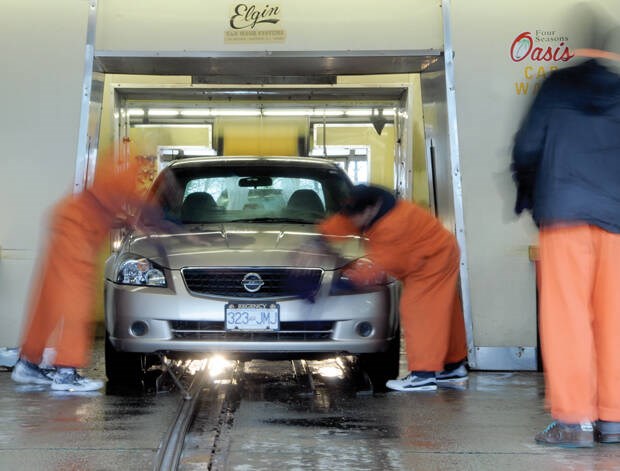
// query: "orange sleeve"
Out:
[338,225]
[116,185]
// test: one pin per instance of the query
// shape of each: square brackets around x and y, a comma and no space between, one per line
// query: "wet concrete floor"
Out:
[488,425]
[278,423]
[46,430]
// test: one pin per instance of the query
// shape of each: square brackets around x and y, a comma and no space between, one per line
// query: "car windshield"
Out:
[211,193]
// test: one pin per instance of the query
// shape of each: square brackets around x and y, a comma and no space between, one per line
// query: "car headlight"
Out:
[359,276]
[341,284]
[139,271]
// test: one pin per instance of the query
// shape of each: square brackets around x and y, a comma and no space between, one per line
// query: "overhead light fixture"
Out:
[196,112]
[389,112]
[329,112]
[359,112]
[163,112]
[235,112]
[163,125]
[287,112]
[135,112]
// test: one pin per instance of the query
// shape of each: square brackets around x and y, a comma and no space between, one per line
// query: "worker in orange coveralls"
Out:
[64,294]
[567,168]
[408,243]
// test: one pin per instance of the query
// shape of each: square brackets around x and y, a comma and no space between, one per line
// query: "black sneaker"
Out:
[567,435]
[26,372]
[607,432]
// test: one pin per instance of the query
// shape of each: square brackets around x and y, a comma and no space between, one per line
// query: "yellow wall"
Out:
[144,141]
[419,183]
[106,131]
[419,180]
[262,136]
[381,148]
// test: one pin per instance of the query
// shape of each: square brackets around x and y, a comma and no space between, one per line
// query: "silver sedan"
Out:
[235,265]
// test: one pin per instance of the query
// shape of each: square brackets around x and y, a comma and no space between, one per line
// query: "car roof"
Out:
[254,160]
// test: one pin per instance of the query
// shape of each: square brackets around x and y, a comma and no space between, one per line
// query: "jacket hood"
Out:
[599,86]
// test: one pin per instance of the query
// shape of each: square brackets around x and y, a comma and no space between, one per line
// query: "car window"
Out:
[211,193]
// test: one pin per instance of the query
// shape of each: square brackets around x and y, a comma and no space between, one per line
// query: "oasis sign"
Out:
[539,52]
[523,47]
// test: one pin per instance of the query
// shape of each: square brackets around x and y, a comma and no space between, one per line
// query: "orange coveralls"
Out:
[580,321]
[64,293]
[410,244]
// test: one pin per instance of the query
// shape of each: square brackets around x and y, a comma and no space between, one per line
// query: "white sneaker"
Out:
[9,357]
[455,375]
[68,379]
[411,382]
[28,373]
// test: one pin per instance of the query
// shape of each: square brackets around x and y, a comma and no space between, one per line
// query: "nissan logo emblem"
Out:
[252,282]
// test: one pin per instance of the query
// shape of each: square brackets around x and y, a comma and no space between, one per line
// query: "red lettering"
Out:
[523,47]
[566,55]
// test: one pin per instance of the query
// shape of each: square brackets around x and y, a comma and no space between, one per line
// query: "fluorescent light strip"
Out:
[135,112]
[359,112]
[171,125]
[196,112]
[289,112]
[163,112]
[230,112]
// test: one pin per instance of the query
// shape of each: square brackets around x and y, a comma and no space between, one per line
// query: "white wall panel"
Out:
[42,50]
[490,104]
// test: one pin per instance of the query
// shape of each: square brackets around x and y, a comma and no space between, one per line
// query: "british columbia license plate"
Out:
[252,316]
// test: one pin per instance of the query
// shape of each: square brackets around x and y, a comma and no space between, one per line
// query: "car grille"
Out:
[291,331]
[277,283]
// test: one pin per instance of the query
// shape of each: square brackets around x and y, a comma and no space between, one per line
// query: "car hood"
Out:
[246,244]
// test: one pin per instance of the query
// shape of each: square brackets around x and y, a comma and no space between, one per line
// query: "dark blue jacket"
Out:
[566,155]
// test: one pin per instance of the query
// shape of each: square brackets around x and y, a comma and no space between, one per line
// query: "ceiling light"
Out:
[236,112]
[359,112]
[135,112]
[163,125]
[329,112]
[288,112]
[163,112]
[196,112]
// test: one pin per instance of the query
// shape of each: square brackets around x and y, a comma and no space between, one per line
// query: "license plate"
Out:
[252,316]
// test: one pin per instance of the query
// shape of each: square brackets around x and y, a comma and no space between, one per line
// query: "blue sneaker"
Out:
[26,372]
[567,435]
[412,383]
[607,432]
[68,379]
[454,375]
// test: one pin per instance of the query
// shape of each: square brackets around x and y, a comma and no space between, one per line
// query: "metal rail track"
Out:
[170,450]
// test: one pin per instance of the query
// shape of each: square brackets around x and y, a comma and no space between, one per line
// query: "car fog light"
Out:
[139,328]
[364,329]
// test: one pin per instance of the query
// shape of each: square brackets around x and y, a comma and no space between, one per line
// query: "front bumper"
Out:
[160,310]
